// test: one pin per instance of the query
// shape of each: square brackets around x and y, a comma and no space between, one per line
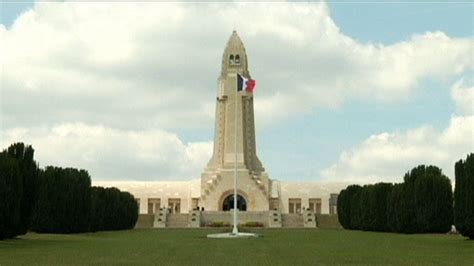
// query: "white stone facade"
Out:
[186,191]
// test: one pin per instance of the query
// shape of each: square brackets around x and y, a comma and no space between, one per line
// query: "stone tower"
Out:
[217,180]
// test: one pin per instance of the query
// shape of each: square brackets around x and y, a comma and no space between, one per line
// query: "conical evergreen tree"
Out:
[464,196]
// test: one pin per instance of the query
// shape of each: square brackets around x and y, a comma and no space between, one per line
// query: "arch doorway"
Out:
[228,203]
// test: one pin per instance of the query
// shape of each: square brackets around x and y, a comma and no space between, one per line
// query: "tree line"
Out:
[423,203]
[55,199]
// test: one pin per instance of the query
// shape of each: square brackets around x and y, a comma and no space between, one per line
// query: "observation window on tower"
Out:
[237,60]
[231,59]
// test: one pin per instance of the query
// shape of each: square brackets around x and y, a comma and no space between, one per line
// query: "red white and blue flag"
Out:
[245,84]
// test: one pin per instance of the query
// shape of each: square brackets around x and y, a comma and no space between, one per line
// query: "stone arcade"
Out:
[260,199]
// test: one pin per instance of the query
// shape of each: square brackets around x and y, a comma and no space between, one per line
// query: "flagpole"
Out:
[234,229]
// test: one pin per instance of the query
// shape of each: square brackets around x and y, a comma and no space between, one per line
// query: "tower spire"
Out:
[234,59]
[235,152]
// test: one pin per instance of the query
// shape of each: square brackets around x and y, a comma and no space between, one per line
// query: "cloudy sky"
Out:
[346,92]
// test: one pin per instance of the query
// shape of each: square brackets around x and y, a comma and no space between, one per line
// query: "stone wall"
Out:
[323,221]
[327,221]
[227,217]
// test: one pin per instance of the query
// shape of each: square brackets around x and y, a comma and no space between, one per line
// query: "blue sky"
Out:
[388,23]
[313,140]
[10,11]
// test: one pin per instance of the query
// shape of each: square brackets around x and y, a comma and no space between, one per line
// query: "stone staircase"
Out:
[292,220]
[177,220]
[145,221]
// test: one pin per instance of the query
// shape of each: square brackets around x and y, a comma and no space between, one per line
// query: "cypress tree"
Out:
[444,204]
[469,196]
[97,209]
[342,208]
[423,194]
[394,208]
[130,210]
[365,208]
[344,203]
[29,175]
[459,196]
[407,205]
[356,216]
[11,194]
[464,196]
[434,200]
[379,201]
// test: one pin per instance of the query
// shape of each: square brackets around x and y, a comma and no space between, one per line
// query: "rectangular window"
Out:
[154,205]
[294,205]
[174,205]
[315,205]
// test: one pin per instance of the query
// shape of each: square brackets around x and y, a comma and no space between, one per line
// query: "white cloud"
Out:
[142,70]
[111,154]
[109,64]
[463,95]
[387,156]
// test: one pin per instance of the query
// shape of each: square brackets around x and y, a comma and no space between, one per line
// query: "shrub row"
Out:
[422,203]
[112,209]
[464,196]
[253,224]
[64,201]
[219,224]
[68,204]
[225,224]
[56,200]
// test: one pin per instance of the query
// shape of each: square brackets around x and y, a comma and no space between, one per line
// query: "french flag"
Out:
[245,84]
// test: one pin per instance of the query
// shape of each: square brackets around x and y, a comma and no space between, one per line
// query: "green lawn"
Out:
[276,247]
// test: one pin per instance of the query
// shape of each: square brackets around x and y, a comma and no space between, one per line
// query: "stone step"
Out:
[292,220]
[177,220]
[145,221]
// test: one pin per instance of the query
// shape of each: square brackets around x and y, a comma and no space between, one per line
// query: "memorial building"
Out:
[209,199]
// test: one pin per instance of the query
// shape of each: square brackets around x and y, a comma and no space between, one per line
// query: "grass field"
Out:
[275,247]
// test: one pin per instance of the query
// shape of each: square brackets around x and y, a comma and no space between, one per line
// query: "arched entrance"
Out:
[228,203]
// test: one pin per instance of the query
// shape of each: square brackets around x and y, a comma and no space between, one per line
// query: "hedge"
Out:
[423,203]
[64,201]
[56,200]
[112,209]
